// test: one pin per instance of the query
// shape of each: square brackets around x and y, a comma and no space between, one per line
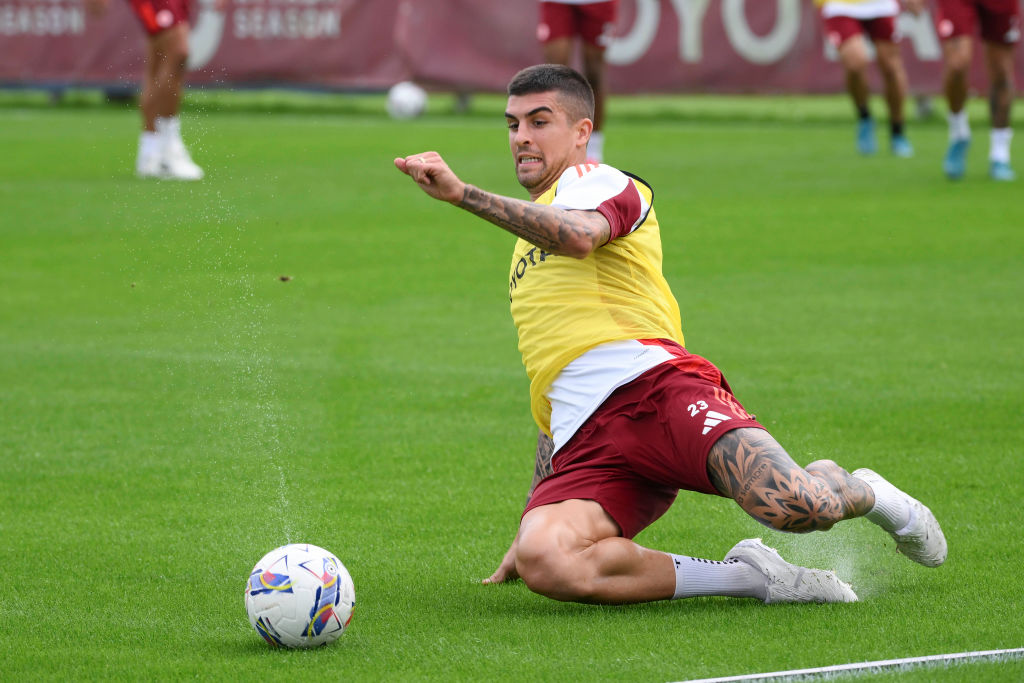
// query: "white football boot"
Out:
[177,164]
[921,538]
[785,582]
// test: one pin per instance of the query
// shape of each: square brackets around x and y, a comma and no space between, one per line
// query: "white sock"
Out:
[149,144]
[696,577]
[891,510]
[959,126]
[595,146]
[168,127]
[999,144]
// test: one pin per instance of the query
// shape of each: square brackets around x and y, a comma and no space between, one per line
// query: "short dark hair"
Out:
[576,94]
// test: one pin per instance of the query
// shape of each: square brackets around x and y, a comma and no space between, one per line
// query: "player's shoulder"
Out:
[588,173]
[593,175]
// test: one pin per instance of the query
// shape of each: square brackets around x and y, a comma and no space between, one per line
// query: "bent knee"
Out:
[824,467]
[958,62]
[551,571]
[177,54]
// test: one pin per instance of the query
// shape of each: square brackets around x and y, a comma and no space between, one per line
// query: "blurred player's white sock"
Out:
[891,510]
[959,127]
[147,161]
[999,144]
[149,144]
[168,127]
[595,147]
[696,577]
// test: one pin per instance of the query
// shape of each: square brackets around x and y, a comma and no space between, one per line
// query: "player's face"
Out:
[543,140]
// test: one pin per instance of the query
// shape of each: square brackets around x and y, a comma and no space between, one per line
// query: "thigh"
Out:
[853,53]
[171,43]
[566,526]
[889,58]
[667,432]
[591,467]
[957,53]
[839,30]
[999,60]
[649,439]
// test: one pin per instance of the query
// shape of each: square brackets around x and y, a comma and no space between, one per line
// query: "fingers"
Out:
[497,577]
[432,174]
[506,571]
[413,160]
[501,575]
[418,166]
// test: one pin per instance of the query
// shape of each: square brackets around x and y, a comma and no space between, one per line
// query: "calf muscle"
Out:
[750,467]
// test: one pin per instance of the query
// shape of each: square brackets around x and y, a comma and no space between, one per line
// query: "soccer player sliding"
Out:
[627,416]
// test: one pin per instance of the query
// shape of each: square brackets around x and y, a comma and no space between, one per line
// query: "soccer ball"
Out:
[299,595]
[406,100]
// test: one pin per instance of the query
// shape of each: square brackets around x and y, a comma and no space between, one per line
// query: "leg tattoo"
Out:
[750,467]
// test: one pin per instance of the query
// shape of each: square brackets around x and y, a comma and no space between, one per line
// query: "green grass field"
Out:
[304,347]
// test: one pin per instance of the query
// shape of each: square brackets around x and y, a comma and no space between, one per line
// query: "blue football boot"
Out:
[954,165]
[901,147]
[866,143]
[1000,170]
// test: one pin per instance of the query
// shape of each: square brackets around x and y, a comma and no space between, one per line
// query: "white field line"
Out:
[827,672]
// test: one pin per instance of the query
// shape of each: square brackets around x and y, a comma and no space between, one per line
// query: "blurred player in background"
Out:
[848,25]
[999,22]
[561,22]
[628,417]
[162,153]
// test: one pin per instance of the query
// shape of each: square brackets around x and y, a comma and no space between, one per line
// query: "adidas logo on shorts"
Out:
[712,419]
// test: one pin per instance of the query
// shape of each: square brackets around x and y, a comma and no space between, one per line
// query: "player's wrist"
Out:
[462,200]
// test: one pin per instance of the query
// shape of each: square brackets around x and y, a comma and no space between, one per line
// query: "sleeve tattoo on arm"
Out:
[547,227]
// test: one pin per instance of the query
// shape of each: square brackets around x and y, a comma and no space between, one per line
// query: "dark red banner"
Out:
[724,46]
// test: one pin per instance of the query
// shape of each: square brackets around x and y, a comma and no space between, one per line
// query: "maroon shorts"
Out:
[648,440]
[840,29]
[999,20]
[160,15]
[591,22]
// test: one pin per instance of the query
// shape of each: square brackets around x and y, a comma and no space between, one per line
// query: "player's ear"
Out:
[584,127]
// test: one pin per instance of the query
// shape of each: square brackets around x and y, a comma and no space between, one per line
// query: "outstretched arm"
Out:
[506,571]
[556,231]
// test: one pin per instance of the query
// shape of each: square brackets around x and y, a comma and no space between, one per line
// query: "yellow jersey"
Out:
[563,307]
